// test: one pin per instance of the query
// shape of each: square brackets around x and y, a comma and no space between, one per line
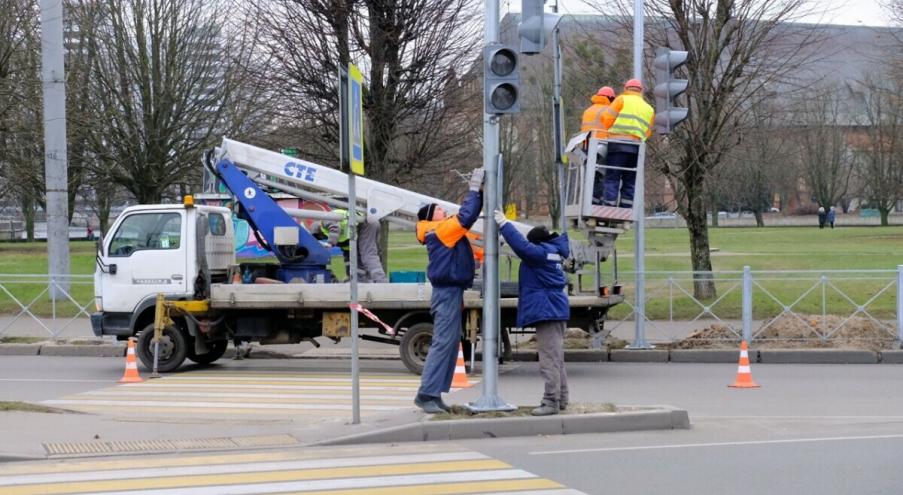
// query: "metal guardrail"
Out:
[750,304]
[50,303]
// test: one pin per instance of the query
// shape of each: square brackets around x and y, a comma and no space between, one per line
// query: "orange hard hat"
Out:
[606,92]
[634,83]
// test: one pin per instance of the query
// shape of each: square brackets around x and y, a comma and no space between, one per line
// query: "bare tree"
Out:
[413,51]
[879,166]
[168,77]
[21,115]
[736,48]
[823,151]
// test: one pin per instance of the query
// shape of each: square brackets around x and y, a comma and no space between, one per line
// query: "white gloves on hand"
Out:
[500,218]
[476,179]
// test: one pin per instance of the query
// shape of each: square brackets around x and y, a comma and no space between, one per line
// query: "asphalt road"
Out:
[809,429]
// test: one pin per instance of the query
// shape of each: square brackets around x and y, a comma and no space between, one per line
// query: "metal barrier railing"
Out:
[751,304]
[48,304]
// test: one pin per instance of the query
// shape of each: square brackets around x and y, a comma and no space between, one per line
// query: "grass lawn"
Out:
[667,250]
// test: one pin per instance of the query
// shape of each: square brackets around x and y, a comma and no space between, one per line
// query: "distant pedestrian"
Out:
[90,233]
[822,217]
[831,217]
[543,304]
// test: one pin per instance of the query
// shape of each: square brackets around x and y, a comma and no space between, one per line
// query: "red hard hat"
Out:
[606,91]
[634,83]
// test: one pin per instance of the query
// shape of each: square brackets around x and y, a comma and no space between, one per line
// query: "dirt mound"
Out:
[799,332]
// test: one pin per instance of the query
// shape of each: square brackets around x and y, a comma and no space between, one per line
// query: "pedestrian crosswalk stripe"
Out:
[411,450]
[237,468]
[299,378]
[255,386]
[264,482]
[258,405]
[143,393]
[251,393]
[408,469]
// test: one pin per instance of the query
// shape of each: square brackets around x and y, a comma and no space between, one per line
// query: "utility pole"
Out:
[490,400]
[56,182]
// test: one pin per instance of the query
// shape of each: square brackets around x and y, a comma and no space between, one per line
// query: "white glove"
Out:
[476,179]
[500,218]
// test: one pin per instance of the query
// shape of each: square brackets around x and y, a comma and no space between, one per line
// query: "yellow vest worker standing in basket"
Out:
[593,121]
[632,119]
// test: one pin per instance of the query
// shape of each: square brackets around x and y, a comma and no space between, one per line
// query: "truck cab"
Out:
[153,249]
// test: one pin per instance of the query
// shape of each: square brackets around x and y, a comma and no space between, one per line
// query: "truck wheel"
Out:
[217,349]
[415,344]
[173,348]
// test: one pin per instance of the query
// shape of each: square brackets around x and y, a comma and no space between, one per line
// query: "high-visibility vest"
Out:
[592,119]
[344,233]
[634,119]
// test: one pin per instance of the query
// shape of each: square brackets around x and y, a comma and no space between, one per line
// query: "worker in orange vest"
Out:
[593,121]
[631,119]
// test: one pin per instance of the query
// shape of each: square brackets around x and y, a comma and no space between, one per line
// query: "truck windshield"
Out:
[147,231]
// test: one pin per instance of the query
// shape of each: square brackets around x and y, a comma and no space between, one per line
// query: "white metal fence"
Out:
[749,304]
[28,308]
[819,306]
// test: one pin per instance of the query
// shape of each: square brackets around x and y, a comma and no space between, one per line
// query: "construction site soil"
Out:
[785,332]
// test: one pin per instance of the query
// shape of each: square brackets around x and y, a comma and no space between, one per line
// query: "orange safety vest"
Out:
[593,117]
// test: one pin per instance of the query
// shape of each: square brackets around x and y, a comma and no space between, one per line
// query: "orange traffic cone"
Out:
[460,378]
[131,366]
[744,375]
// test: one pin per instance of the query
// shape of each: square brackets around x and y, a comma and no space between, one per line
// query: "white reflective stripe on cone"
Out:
[743,369]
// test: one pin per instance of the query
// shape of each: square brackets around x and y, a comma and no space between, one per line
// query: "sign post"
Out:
[351,85]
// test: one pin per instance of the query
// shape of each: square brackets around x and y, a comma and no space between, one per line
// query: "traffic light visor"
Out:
[503,62]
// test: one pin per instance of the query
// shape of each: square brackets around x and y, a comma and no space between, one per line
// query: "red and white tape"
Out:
[366,312]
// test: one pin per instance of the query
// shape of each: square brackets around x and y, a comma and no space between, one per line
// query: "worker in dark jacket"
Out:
[543,304]
[450,271]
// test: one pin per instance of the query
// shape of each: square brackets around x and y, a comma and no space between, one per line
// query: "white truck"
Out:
[186,253]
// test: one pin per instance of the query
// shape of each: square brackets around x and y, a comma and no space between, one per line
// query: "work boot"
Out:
[442,404]
[562,405]
[547,408]
[428,404]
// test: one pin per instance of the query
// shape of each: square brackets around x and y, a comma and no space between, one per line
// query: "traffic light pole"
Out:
[639,197]
[558,126]
[490,400]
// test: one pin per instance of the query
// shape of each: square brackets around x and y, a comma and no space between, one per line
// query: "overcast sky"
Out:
[865,12]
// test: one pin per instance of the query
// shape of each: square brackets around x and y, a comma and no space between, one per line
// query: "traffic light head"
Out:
[668,87]
[535,26]
[501,81]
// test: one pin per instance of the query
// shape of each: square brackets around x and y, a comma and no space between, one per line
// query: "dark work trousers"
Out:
[620,181]
[599,179]
[445,307]
[550,342]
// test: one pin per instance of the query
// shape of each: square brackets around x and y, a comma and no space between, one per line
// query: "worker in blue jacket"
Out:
[543,304]
[450,271]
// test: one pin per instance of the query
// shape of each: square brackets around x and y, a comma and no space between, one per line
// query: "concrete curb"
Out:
[709,356]
[20,349]
[638,355]
[817,356]
[9,457]
[83,350]
[660,418]
[891,357]
[772,356]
